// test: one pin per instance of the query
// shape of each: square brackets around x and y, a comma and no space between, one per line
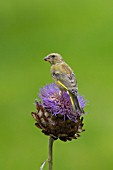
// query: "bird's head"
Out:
[54,58]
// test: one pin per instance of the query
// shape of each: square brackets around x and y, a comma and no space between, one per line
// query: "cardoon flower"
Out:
[54,114]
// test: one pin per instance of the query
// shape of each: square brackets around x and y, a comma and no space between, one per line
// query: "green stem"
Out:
[50,153]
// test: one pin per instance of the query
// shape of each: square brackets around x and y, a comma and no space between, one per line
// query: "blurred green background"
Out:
[82,31]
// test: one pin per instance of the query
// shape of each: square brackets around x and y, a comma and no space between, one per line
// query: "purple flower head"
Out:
[56,102]
[54,115]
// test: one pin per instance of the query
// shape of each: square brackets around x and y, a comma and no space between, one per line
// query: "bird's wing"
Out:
[69,84]
[65,77]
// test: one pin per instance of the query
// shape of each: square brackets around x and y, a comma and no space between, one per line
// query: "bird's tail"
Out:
[75,103]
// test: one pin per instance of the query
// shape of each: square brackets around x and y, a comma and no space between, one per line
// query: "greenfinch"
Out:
[64,78]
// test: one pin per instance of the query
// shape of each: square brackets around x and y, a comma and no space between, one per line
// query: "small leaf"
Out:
[43,164]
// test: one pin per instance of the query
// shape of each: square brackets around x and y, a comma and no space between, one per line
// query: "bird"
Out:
[64,78]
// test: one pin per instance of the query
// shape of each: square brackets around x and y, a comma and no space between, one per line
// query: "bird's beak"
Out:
[47,58]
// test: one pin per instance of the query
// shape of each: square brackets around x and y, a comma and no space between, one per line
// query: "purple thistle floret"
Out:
[56,102]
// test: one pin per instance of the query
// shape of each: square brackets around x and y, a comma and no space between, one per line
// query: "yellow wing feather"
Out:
[71,99]
[62,85]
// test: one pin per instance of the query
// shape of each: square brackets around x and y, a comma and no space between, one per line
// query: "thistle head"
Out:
[54,114]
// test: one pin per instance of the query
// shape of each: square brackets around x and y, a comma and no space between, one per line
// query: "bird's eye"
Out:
[53,56]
